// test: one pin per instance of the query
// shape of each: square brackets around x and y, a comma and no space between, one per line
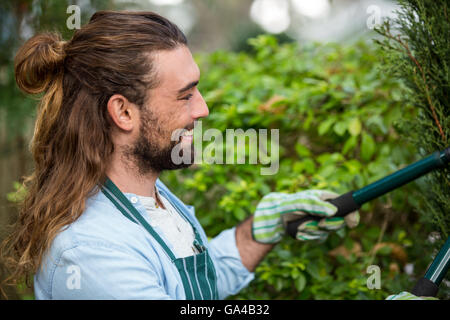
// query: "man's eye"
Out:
[189,96]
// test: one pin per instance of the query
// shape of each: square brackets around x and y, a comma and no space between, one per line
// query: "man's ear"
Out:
[122,112]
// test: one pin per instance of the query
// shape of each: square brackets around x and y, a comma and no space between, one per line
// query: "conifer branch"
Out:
[430,103]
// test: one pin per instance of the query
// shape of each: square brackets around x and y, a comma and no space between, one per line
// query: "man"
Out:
[97,223]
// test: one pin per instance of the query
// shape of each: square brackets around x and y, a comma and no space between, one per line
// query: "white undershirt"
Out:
[177,231]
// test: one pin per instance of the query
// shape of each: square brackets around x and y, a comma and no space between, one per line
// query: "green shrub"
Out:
[336,114]
[416,52]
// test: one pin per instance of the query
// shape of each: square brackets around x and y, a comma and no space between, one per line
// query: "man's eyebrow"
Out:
[189,86]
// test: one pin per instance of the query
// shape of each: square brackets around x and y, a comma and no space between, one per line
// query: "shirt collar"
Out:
[148,202]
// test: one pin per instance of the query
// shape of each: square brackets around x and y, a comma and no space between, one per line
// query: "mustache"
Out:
[187,128]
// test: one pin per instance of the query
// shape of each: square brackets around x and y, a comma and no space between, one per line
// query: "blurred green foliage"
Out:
[336,113]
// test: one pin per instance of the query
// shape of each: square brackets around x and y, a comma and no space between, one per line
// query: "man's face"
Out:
[175,104]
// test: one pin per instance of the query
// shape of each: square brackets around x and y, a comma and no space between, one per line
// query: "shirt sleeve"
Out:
[232,275]
[102,272]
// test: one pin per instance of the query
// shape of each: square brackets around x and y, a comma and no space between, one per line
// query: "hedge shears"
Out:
[353,200]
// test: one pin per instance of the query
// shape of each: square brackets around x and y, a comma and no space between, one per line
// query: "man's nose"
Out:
[200,109]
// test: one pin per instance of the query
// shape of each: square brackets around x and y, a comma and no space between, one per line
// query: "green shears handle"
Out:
[428,285]
[353,200]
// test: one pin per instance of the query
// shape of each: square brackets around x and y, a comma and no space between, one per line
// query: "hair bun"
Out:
[39,61]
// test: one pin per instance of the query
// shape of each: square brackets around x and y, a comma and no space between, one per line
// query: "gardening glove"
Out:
[408,296]
[276,209]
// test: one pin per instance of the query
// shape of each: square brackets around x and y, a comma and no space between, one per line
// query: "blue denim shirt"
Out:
[103,255]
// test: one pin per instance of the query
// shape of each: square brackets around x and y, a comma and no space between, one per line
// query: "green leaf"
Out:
[295,273]
[349,144]
[340,128]
[367,147]
[302,151]
[239,213]
[279,284]
[354,127]
[313,270]
[309,165]
[325,126]
[300,282]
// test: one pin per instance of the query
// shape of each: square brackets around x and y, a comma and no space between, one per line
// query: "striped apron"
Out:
[197,272]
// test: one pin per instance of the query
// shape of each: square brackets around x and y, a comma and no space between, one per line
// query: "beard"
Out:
[147,154]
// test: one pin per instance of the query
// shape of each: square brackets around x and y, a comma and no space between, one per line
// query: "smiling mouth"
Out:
[187,136]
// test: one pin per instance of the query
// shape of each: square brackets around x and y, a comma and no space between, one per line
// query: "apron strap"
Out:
[128,210]
[197,272]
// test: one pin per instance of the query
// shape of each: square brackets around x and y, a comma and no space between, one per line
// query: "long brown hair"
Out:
[71,144]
